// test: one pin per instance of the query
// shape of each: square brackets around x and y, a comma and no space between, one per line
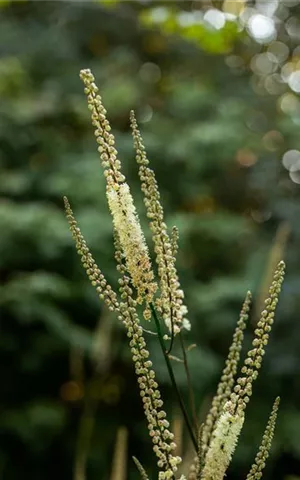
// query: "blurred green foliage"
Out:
[211,40]
[216,146]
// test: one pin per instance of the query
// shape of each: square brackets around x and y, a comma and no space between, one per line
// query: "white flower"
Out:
[224,441]
[132,240]
[186,324]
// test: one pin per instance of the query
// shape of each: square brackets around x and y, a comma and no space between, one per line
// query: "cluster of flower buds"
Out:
[170,303]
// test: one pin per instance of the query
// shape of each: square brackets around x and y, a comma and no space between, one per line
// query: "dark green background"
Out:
[200,120]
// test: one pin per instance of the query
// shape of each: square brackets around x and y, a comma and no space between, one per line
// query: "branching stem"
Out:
[173,380]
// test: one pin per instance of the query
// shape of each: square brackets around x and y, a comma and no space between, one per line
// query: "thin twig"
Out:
[149,331]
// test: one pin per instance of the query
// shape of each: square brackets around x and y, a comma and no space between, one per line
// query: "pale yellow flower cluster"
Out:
[158,425]
[226,383]
[170,303]
[136,275]
[125,218]
[223,443]
[132,240]
[220,442]
[243,388]
[104,137]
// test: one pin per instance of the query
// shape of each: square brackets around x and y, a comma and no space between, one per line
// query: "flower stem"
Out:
[172,377]
[189,381]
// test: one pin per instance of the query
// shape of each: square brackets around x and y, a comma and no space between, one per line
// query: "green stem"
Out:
[172,377]
[172,336]
[189,381]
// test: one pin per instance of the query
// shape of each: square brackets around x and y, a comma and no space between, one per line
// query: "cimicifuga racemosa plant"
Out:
[159,293]
[265,446]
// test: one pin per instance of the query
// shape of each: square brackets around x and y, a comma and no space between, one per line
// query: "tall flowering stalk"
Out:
[120,200]
[230,421]
[265,446]
[170,302]
[163,301]
[228,375]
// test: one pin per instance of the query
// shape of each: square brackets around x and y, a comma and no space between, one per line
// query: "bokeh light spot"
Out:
[215,18]
[274,84]
[146,114]
[71,391]
[295,173]
[233,8]
[150,72]
[262,28]
[260,216]
[159,14]
[185,19]
[245,157]
[234,61]
[263,63]
[267,8]
[273,140]
[287,71]
[280,50]
[290,159]
[294,81]
[292,26]
[289,104]
[256,121]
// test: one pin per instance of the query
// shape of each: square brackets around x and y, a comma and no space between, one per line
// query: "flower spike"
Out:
[170,304]
[140,468]
[95,275]
[265,446]
[132,241]
[120,200]
[253,362]
[228,375]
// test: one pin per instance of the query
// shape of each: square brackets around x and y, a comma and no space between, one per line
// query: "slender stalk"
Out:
[119,462]
[149,331]
[189,381]
[172,336]
[86,429]
[172,377]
